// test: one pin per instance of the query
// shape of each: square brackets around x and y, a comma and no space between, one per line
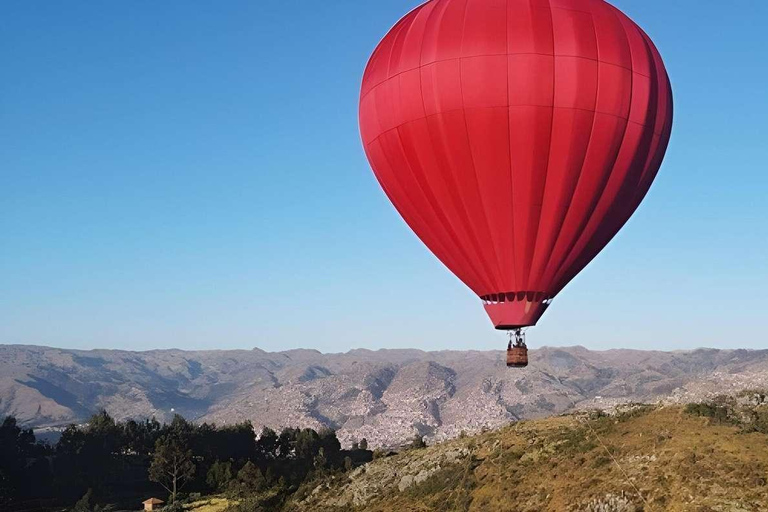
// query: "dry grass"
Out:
[677,461]
[212,504]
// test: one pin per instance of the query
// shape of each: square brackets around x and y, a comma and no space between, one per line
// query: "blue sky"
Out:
[189,174]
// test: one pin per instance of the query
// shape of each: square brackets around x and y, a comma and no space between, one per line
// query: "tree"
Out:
[15,445]
[181,429]
[307,444]
[220,475]
[90,455]
[250,478]
[330,446]
[140,437]
[267,443]
[320,461]
[172,465]
[287,442]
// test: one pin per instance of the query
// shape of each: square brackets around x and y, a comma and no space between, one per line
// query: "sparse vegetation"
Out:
[707,456]
[448,489]
[638,458]
[416,443]
[748,410]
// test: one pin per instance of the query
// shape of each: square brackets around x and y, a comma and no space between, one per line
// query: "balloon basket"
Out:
[517,351]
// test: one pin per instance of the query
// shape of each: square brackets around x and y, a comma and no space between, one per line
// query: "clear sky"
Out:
[189,174]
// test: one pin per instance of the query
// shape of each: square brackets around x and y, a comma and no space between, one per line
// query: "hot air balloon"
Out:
[515,137]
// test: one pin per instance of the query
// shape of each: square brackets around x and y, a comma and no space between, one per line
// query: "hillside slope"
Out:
[385,396]
[674,460]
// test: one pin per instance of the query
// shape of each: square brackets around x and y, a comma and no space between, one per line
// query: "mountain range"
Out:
[384,396]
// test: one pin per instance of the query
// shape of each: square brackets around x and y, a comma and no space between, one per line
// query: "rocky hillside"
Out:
[385,396]
[640,459]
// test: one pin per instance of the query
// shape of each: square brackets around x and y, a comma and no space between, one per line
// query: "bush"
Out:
[757,420]
[251,478]
[719,413]
[219,475]
[635,411]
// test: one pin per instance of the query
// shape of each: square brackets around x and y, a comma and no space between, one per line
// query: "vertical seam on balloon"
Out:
[652,126]
[442,218]
[587,249]
[566,276]
[496,282]
[547,268]
[546,276]
[449,239]
[421,48]
[653,96]
[482,272]
[415,214]
[395,36]
[626,212]
[437,238]
[487,272]
[549,157]
[661,71]
[509,154]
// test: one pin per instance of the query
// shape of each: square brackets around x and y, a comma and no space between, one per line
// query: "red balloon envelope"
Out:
[515,137]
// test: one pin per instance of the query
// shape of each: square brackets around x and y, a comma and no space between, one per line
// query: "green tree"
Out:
[15,445]
[172,465]
[181,429]
[307,444]
[219,475]
[90,456]
[267,444]
[286,442]
[250,478]
[140,437]
[330,444]
[320,461]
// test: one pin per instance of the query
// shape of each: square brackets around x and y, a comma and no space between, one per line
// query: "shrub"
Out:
[635,411]
[719,413]
[219,475]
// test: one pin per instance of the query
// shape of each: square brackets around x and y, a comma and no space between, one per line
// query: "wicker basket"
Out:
[517,357]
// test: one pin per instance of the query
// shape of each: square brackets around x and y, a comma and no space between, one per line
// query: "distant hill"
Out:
[384,396]
[643,459]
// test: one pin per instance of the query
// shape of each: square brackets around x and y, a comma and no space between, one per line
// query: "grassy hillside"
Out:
[644,458]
